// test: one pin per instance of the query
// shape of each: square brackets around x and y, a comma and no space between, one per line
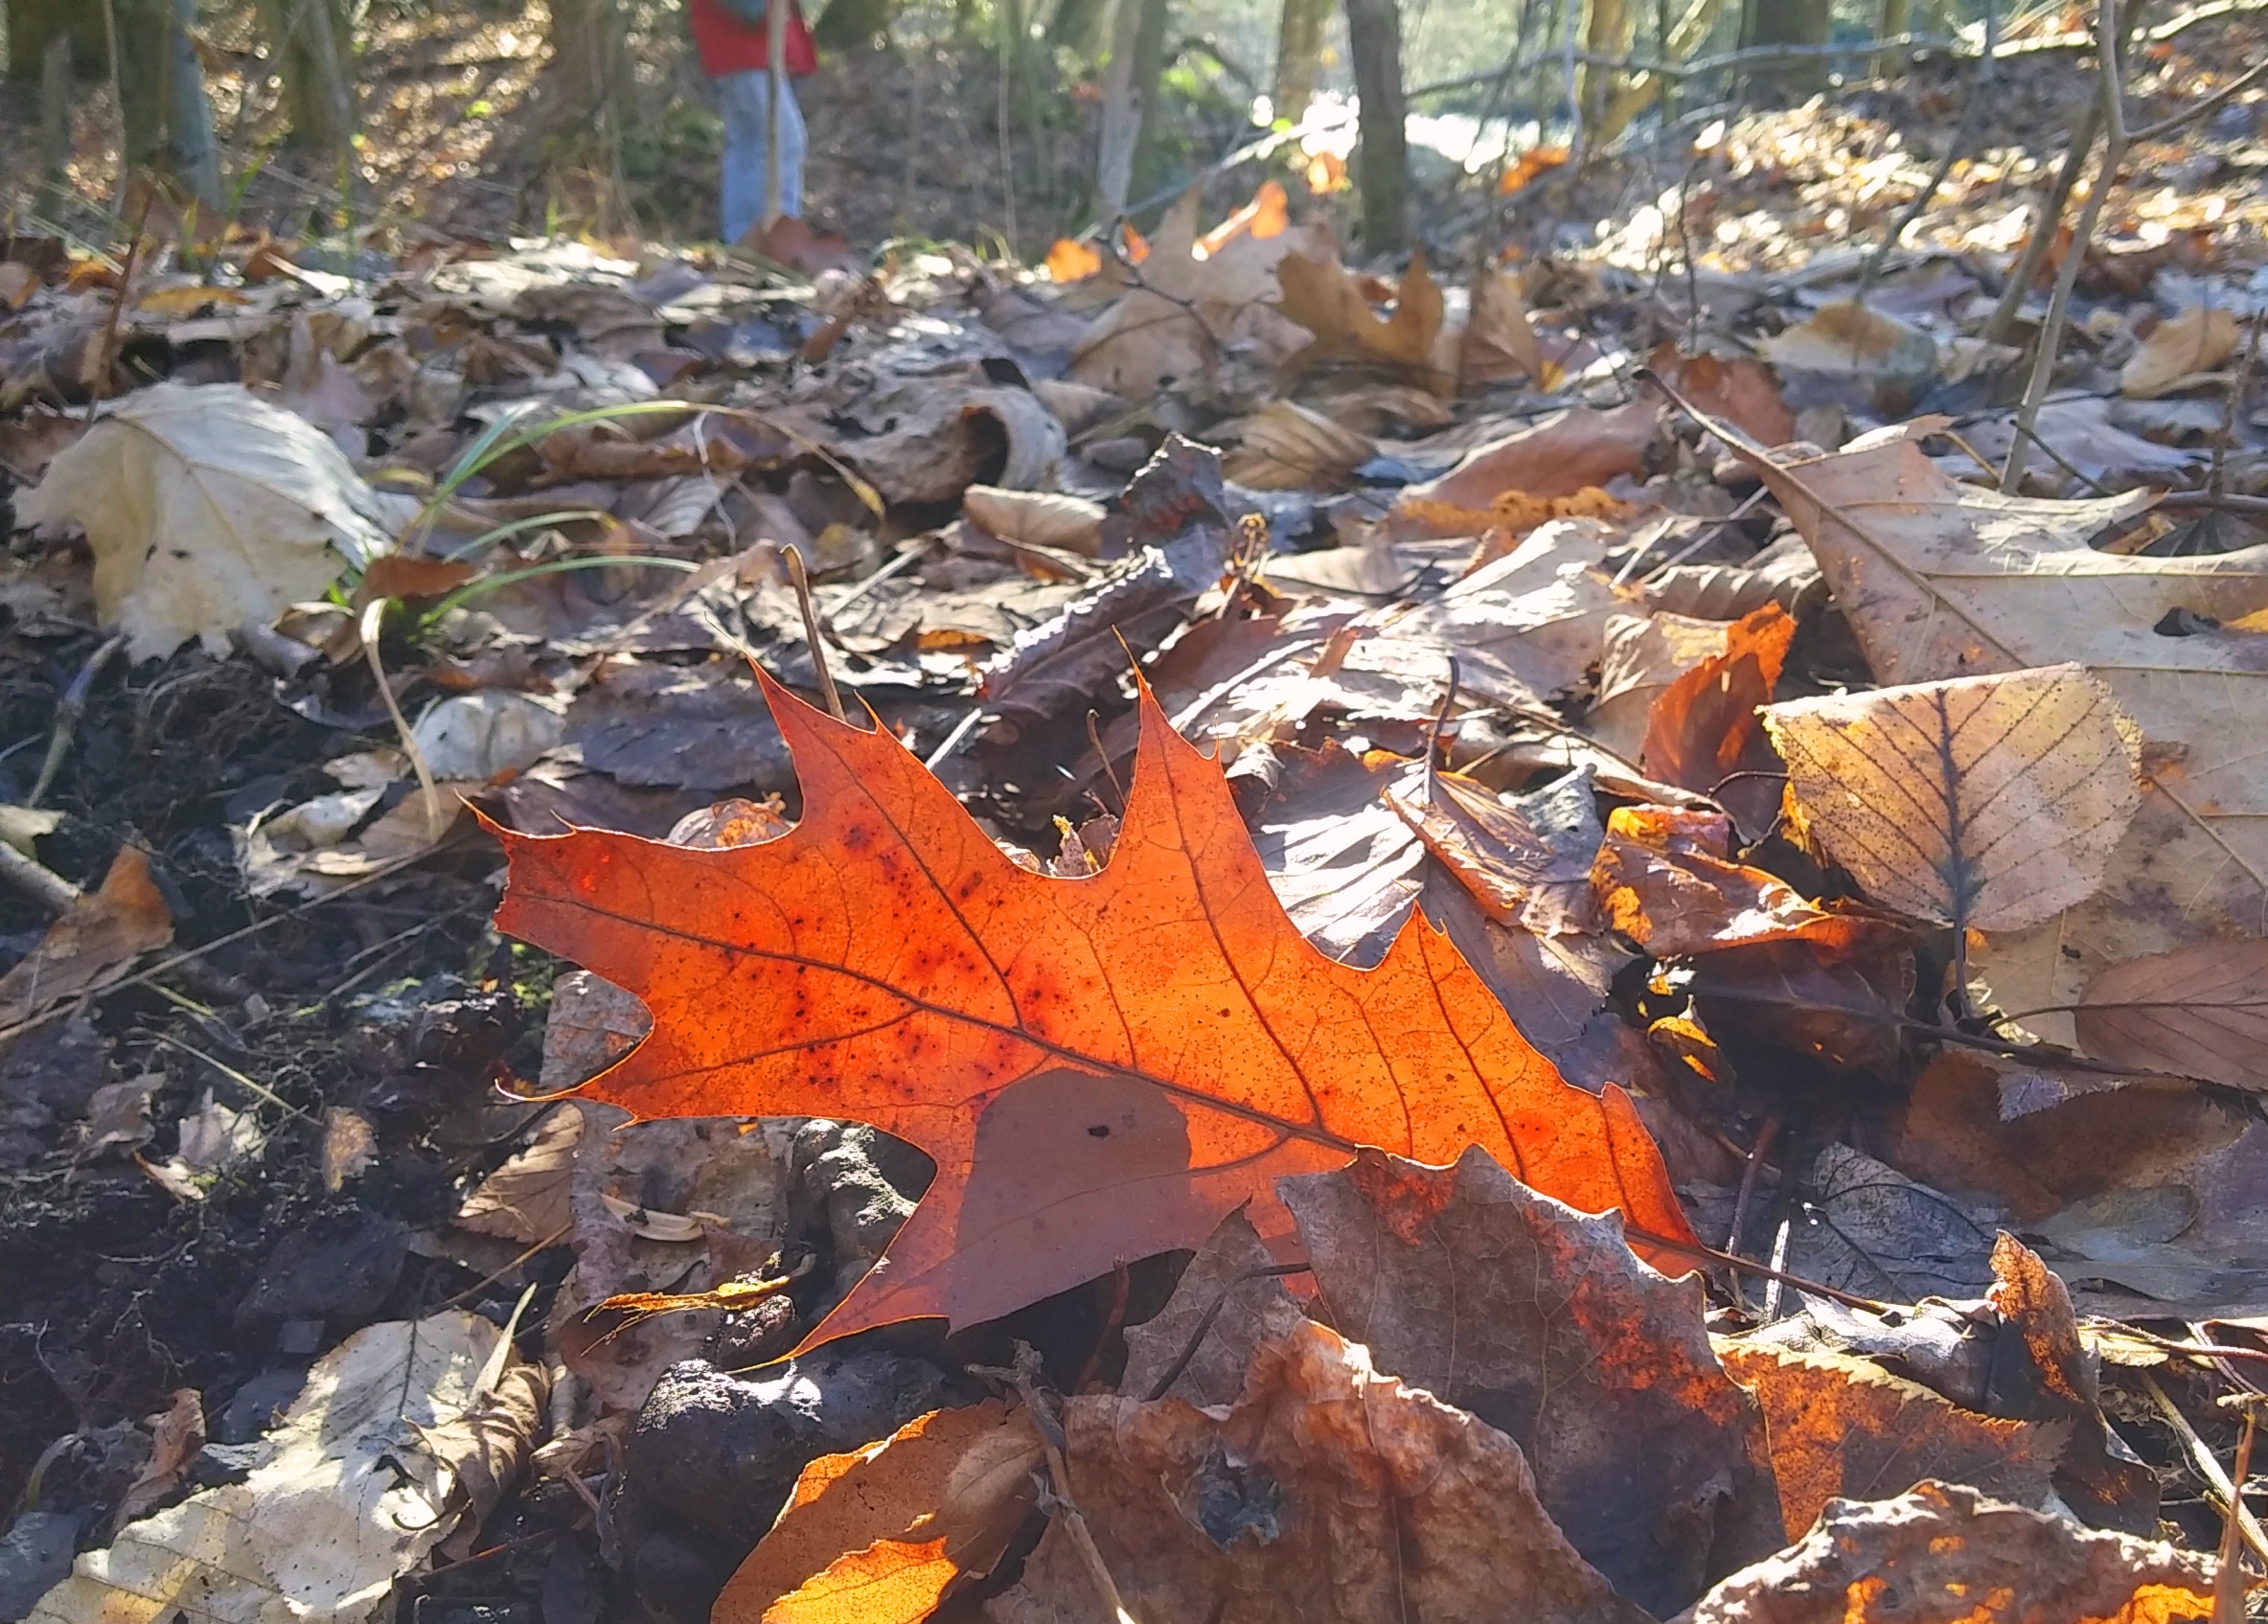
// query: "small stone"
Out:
[257,1404]
[718,1452]
[35,1556]
[337,1268]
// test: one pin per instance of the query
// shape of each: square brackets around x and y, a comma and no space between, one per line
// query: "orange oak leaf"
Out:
[1103,1067]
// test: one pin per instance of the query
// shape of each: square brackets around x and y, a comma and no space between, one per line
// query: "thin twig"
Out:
[1732,1260]
[1204,1328]
[32,878]
[2111,93]
[1057,1497]
[250,1084]
[2228,1581]
[69,711]
[2201,1459]
[1747,1180]
[801,581]
[1433,735]
[1094,738]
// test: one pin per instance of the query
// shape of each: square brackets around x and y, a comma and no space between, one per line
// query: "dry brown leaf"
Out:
[1500,340]
[1640,657]
[1704,734]
[2097,1475]
[1943,579]
[1988,803]
[1036,518]
[1235,1281]
[1287,446]
[1329,1494]
[1539,1319]
[2200,1011]
[1665,881]
[1556,457]
[1847,338]
[1945,1554]
[528,1198]
[1520,877]
[1183,314]
[880,1535]
[1742,391]
[2196,341]
[1333,302]
[1845,1428]
[95,943]
[2038,1138]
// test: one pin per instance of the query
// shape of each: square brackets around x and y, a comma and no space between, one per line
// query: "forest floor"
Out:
[311,555]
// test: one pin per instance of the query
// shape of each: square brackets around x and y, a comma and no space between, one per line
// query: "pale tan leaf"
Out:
[1988,803]
[2200,1010]
[209,510]
[1500,342]
[527,1199]
[1640,657]
[1285,446]
[2196,341]
[1847,338]
[1036,518]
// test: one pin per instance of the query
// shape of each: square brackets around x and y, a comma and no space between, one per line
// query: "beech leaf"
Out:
[1332,303]
[1101,1067]
[1945,580]
[1988,803]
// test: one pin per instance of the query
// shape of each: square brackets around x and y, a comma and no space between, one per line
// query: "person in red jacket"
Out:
[736,54]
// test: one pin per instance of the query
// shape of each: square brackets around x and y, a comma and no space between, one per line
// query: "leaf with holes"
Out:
[1103,1067]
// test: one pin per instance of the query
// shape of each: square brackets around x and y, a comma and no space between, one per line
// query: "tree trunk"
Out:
[848,25]
[1382,161]
[1149,70]
[1077,27]
[1605,33]
[54,118]
[34,25]
[586,66]
[1122,115]
[1298,55]
[1790,22]
[312,41]
[168,124]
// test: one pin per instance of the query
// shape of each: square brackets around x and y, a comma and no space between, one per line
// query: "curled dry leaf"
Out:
[1499,341]
[1521,877]
[1742,391]
[1945,580]
[1540,1320]
[1288,446]
[402,1432]
[2177,351]
[1704,733]
[94,943]
[1944,1555]
[1664,880]
[1234,1281]
[1845,1428]
[529,1198]
[1846,338]
[881,1536]
[1333,304]
[1987,803]
[209,510]
[1101,1067]
[1330,1494]
[1036,518]
[2200,1010]
[1556,457]
[2097,1475]
[1640,657]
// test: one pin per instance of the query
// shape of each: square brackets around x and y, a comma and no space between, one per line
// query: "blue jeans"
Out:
[746,99]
